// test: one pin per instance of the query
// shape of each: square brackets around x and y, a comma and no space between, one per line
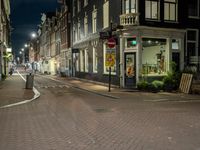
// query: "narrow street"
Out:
[68,118]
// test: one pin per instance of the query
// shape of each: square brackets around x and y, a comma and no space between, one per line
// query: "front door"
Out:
[176,59]
[130,70]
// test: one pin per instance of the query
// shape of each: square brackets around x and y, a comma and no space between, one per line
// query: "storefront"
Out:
[148,53]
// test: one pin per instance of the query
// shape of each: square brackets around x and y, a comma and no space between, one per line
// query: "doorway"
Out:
[130,70]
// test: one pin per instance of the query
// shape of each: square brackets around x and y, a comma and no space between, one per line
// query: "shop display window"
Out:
[154,56]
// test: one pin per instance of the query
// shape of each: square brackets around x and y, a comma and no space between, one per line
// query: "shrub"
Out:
[158,84]
[3,76]
[142,85]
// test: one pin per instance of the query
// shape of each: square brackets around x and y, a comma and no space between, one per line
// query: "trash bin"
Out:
[29,81]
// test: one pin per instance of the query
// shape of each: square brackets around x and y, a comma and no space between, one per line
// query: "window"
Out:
[76,60]
[108,55]
[106,14]
[175,44]
[86,25]
[152,9]
[192,43]
[170,10]
[78,5]
[193,8]
[154,56]
[74,33]
[131,42]
[86,60]
[85,3]
[94,21]
[79,30]
[95,60]
[82,60]
[129,6]
[74,8]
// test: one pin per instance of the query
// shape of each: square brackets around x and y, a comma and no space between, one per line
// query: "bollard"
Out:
[29,81]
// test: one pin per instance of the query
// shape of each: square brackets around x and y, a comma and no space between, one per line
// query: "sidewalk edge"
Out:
[36,95]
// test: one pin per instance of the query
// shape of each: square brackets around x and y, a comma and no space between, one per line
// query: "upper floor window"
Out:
[74,8]
[152,9]
[94,20]
[106,14]
[129,6]
[86,24]
[79,30]
[78,5]
[193,8]
[170,10]
[85,3]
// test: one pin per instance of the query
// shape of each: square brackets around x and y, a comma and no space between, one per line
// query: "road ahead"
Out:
[67,118]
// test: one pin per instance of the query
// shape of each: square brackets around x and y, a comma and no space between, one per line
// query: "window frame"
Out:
[176,10]
[85,3]
[106,15]
[151,10]
[95,60]
[193,42]
[198,11]
[94,20]
[86,25]
[124,8]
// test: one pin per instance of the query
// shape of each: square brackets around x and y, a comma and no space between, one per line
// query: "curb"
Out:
[36,95]
[80,88]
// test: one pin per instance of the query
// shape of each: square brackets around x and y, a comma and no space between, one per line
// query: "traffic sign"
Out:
[111,42]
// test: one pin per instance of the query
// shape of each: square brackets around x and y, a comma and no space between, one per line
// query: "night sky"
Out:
[25,16]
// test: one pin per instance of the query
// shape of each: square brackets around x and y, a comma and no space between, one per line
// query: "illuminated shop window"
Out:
[154,56]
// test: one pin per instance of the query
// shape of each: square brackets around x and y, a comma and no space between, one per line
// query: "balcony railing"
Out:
[129,19]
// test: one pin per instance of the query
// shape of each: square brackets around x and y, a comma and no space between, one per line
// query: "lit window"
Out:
[86,25]
[85,2]
[95,60]
[78,5]
[86,60]
[129,6]
[170,12]
[106,14]
[152,9]
[82,60]
[94,21]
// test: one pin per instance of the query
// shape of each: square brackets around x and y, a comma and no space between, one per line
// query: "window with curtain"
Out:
[129,6]
[152,8]
[94,21]
[106,14]
[170,10]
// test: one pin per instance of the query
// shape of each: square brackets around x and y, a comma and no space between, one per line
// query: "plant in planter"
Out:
[142,85]
[172,80]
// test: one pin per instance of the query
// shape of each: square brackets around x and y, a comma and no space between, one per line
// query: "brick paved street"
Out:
[66,118]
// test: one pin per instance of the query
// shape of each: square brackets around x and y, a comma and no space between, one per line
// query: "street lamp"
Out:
[33,35]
